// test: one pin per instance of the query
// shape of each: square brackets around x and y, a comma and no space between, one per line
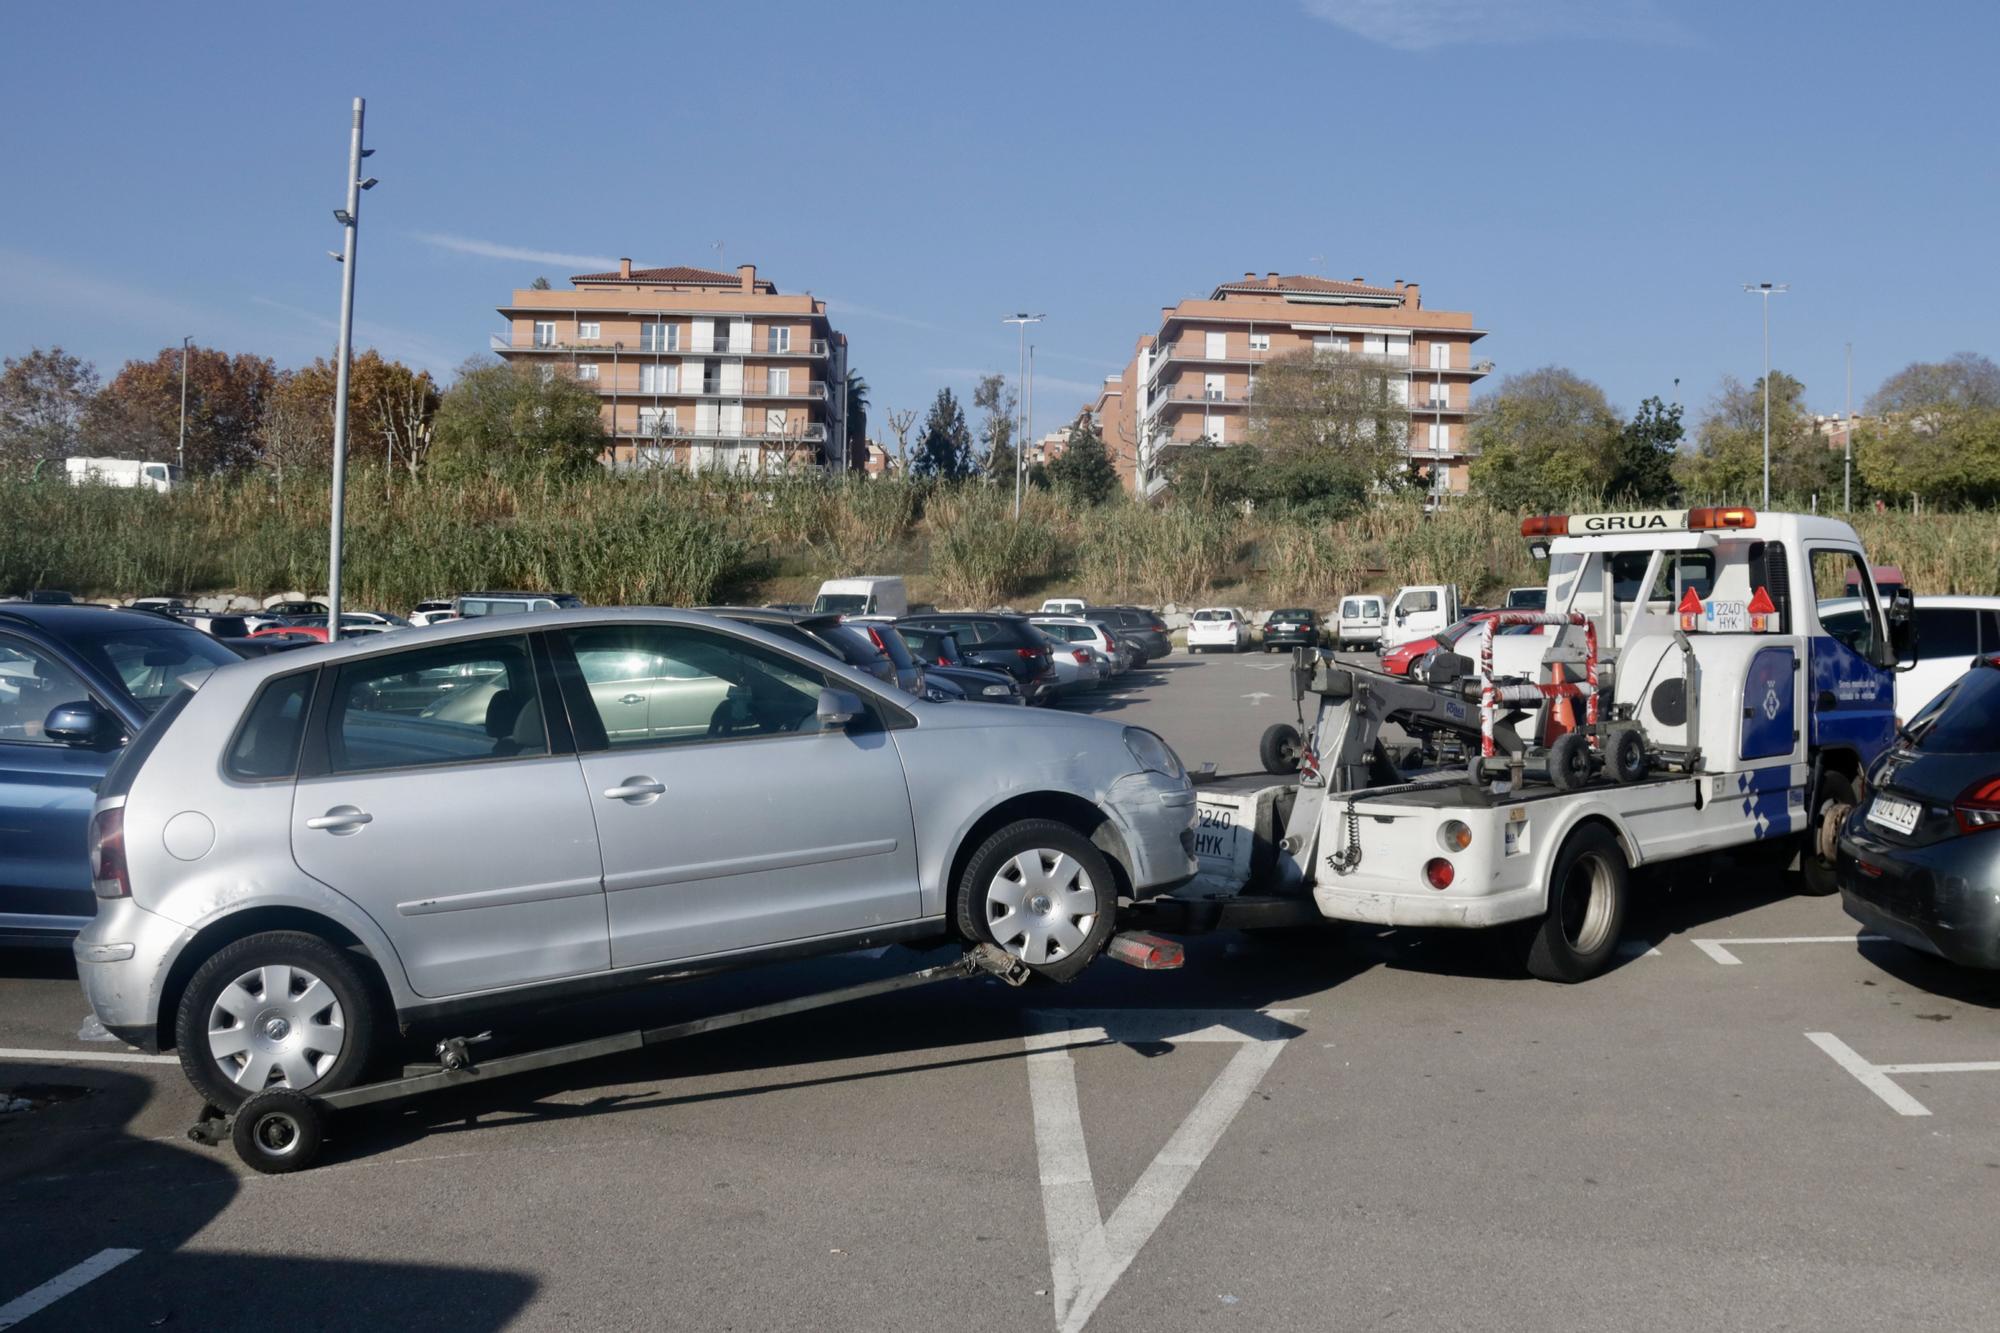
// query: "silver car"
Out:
[306,852]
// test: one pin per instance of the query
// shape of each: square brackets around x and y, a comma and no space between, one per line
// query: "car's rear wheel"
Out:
[283,1009]
[1042,892]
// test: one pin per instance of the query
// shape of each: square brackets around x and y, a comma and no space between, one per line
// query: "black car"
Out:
[824,634]
[1136,625]
[1000,643]
[1293,627]
[1919,859]
[938,650]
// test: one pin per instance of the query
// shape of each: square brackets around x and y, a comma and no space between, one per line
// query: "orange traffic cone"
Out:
[1562,714]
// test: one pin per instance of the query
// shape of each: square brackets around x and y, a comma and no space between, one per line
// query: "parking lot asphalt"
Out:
[1756,1120]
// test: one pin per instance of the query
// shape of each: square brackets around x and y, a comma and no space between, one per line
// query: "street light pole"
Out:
[1847,437]
[349,219]
[1766,290]
[183,456]
[1023,320]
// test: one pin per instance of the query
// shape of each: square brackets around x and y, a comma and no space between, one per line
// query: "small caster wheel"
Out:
[1569,761]
[1278,749]
[1625,752]
[279,1132]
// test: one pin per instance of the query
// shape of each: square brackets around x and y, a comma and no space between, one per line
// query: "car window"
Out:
[708,687]
[1294,613]
[1830,568]
[1965,718]
[1418,601]
[33,684]
[445,705]
[1211,615]
[840,603]
[267,745]
[150,660]
[1680,571]
[1947,632]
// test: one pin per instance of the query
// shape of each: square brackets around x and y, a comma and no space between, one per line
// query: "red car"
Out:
[1398,660]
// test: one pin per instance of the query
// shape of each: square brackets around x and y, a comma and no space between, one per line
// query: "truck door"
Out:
[1770,719]
[1851,700]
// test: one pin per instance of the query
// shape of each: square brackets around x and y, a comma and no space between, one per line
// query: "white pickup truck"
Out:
[1726,715]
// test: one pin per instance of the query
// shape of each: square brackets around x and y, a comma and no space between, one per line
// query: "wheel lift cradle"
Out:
[281,1131]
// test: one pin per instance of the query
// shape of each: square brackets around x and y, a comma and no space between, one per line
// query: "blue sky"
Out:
[1593,179]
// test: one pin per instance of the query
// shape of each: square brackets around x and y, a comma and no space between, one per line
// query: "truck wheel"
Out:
[1569,761]
[1832,804]
[1625,752]
[283,1009]
[1279,748]
[1587,890]
[1042,892]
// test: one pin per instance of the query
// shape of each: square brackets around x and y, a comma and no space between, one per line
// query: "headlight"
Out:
[997,691]
[1154,755]
[936,695]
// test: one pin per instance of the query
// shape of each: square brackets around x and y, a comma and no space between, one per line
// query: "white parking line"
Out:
[61,1285]
[94,1057]
[1876,1078]
[1719,949]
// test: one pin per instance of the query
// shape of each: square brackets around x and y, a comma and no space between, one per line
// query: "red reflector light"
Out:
[108,875]
[1438,873]
[1977,808]
[1140,949]
[1545,525]
[1702,520]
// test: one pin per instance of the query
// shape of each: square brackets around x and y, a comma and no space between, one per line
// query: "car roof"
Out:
[764,615]
[58,617]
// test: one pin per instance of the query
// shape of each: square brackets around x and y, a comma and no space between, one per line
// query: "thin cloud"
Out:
[426,352]
[35,281]
[1426,25]
[467,245]
[836,306]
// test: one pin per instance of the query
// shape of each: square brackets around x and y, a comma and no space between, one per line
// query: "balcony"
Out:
[813,391]
[505,345]
[1191,398]
[811,432]
[1192,354]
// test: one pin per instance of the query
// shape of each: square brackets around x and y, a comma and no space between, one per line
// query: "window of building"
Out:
[660,337]
[780,379]
[1440,356]
[739,336]
[658,422]
[587,373]
[588,331]
[774,421]
[1440,437]
[1212,388]
[1260,342]
[711,377]
[1215,345]
[659,379]
[1330,342]
[1399,392]
[548,374]
[1439,398]
[1213,429]
[778,339]
[545,333]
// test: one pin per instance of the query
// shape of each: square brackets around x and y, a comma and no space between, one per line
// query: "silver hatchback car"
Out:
[308,851]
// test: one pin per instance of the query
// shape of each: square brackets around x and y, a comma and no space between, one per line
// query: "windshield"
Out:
[1294,613]
[840,603]
[149,660]
[1965,719]
[1213,615]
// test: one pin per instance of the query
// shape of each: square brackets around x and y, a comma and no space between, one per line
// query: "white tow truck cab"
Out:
[1419,612]
[1728,716]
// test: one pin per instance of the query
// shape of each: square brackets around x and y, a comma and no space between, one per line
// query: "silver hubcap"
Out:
[1041,905]
[1586,905]
[278,1134]
[275,1027]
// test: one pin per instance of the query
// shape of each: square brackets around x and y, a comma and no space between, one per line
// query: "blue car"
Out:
[76,684]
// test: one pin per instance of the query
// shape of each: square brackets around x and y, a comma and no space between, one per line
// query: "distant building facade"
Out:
[696,369]
[1192,378]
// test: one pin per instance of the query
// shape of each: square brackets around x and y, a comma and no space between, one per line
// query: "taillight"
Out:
[1438,873]
[1031,654]
[1977,808]
[1081,655]
[109,877]
[875,637]
[1110,644]
[941,660]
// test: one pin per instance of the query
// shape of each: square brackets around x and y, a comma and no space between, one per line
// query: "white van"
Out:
[1062,606]
[1359,624]
[867,595]
[1420,611]
[136,473]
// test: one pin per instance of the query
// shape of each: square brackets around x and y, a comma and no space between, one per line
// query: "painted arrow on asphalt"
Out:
[1257,699]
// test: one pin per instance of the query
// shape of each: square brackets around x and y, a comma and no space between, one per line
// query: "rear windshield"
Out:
[150,659]
[1965,719]
[1213,615]
[840,603]
[855,648]
[1295,613]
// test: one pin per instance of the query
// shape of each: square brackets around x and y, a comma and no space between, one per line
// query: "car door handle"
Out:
[635,790]
[340,819]
[631,698]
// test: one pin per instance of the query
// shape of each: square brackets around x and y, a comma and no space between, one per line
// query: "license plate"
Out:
[1215,835]
[1894,812]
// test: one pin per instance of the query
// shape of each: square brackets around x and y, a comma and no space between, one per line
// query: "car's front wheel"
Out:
[283,1009]
[1040,890]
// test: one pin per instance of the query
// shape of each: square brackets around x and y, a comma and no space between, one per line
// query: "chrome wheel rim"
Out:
[277,1134]
[1586,904]
[276,1026]
[1040,905]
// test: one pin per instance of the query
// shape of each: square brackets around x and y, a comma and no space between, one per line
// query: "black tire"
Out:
[1816,875]
[1625,752]
[1588,887]
[352,994]
[975,914]
[279,1132]
[1279,748]
[1569,761]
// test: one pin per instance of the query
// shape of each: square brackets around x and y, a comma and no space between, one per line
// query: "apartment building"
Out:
[1193,377]
[696,369]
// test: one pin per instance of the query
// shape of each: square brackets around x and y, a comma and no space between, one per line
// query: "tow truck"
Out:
[1678,696]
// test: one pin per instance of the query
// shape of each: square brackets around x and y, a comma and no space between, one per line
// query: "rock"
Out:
[239,604]
[211,605]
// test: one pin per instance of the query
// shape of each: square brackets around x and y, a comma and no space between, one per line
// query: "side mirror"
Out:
[1902,631]
[82,724]
[837,708]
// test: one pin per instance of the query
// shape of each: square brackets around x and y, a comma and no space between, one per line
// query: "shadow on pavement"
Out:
[37,964]
[1927,972]
[74,1182]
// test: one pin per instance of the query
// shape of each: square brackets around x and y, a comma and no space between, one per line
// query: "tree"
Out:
[391,411]
[138,413]
[511,420]
[856,410]
[1934,431]
[43,398]
[1083,470]
[944,450]
[1643,459]
[901,422]
[1547,437]
[1331,415]
[1727,464]
[539,285]
[993,397]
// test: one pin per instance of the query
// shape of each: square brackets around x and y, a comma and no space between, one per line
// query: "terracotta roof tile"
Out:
[1300,282]
[678,274]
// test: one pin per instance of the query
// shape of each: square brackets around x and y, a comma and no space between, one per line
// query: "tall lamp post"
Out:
[349,219]
[183,456]
[1020,426]
[1767,290]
